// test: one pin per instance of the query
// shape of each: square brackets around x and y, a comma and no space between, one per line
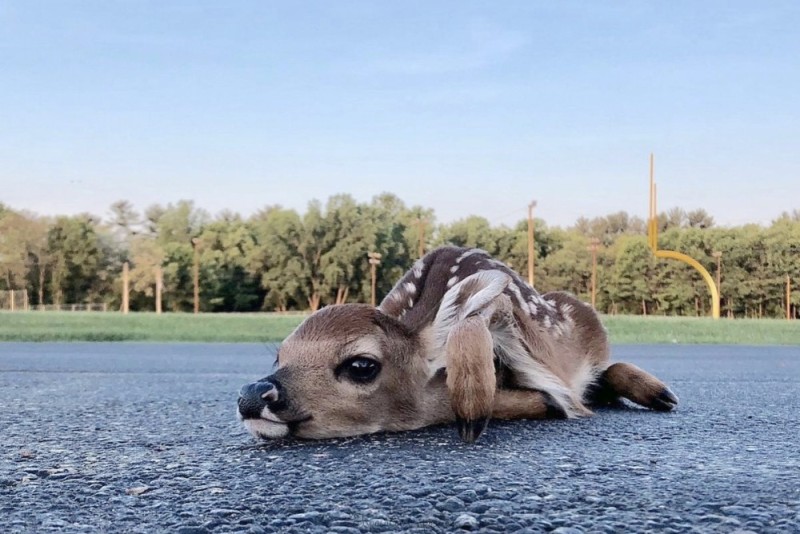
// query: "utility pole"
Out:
[788,298]
[196,274]
[125,287]
[718,254]
[594,244]
[159,287]
[421,223]
[531,249]
[374,261]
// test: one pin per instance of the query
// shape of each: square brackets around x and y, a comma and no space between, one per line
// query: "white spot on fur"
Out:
[547,323]
[418,267]
[410,303]
[533,309]
[453,269]
[394,303]
[452,281]
[549,305]
[517,294]
[498,263]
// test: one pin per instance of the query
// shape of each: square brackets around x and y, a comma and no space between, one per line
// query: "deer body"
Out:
[460,337]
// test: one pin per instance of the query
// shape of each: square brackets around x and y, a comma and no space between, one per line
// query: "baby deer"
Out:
[460,337]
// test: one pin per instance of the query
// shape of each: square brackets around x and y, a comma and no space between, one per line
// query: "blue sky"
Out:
[466,107]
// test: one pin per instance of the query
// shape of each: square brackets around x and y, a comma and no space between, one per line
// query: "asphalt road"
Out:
[143,438]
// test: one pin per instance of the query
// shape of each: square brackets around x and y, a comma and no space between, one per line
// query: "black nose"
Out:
[253,398]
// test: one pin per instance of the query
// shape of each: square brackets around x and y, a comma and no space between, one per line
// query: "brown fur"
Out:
[462,337]
[470,373]
[628,381]
[520,404]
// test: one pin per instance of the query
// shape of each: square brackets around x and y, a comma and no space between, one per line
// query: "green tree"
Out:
[175,228]
[146,256]
[14,264]
[632,276]
[568,268]
[276,257]
[396,237]
[471,232]
[76,253]
[228,243]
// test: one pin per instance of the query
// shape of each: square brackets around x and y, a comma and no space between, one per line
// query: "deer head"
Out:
[347,370]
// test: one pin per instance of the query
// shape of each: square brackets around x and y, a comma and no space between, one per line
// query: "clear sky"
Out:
[465,107]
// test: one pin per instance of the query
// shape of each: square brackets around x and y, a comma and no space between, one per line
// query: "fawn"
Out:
[460,337]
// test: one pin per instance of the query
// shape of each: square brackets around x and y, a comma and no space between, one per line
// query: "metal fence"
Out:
[17,300]
[71,307]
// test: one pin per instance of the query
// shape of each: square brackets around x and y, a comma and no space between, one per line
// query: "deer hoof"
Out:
[470,429]
[664,402]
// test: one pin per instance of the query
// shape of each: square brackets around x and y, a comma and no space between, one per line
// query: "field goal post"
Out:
[652,241]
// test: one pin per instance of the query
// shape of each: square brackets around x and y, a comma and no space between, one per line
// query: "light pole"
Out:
[196,274]
[594,244]
[531,249]
[374,261]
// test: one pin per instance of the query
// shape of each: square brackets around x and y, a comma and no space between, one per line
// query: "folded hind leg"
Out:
[525,404]
[628,381]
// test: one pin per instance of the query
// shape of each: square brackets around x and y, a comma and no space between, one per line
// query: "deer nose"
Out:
[253,398]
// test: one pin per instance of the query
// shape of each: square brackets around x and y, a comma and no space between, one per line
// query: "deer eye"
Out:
[359,369]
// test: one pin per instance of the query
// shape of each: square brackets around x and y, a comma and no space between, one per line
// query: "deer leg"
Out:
[525,404]
[628,381]
[471,378]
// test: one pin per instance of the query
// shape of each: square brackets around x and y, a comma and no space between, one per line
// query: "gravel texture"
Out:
[143,438]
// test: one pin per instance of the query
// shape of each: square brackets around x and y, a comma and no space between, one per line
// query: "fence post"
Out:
[125,290]
[12,300]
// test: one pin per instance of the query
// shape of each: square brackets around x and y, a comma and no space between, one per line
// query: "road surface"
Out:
[143,438]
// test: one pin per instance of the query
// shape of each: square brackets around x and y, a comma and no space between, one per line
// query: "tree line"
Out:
[280,260]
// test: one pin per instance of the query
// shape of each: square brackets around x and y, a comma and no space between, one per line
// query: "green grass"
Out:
[629,330]
[228,328]
[97,326]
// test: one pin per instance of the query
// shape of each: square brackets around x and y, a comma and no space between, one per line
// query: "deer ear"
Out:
[471,296]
